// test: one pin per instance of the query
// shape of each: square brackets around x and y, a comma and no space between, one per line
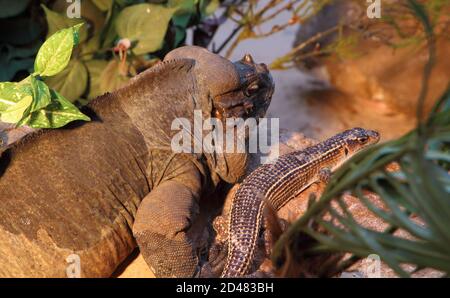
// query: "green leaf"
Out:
[103,5]
[57,114]
[15,113]
[95,69]
[108,33]
[180,34]
[20,99]
[54,55]
[12,93]
[90,47]
[112,77]
[182,20]
[146,24]
[183,6]
[208,7]
[57,22]
[41,94]
[71,82]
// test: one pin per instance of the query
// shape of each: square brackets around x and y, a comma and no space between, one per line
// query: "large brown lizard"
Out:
[82,194]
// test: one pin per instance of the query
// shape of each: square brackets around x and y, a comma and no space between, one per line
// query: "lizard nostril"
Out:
[375,135]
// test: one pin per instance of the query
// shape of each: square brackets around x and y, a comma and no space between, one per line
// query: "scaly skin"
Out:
[279,182]
[95,189]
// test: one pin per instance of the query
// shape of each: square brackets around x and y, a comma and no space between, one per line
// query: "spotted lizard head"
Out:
[357,138]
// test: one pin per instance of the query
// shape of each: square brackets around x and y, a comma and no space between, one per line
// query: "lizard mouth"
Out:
[237,105]
[232,106]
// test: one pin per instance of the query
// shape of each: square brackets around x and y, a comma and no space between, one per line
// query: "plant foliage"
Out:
[415,198]
[31,102]
[119,39]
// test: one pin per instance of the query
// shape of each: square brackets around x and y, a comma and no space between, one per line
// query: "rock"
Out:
[328,17]
[378,72]
[9,134]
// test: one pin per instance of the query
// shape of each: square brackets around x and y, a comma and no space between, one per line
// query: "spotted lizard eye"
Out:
[363,140]
[251,90]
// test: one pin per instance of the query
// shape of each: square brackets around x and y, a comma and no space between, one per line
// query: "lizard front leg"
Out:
[163,229]
[324,175]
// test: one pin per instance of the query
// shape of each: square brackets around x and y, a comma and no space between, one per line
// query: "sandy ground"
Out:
[134,267]
[316,116]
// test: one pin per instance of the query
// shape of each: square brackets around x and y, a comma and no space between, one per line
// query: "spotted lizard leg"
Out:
[218,250]
[324,175]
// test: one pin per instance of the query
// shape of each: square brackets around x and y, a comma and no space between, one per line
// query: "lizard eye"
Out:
[363,140]
[251,90]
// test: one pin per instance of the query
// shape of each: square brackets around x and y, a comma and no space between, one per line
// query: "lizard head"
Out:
[250,95]
[242,89]
[357,138]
